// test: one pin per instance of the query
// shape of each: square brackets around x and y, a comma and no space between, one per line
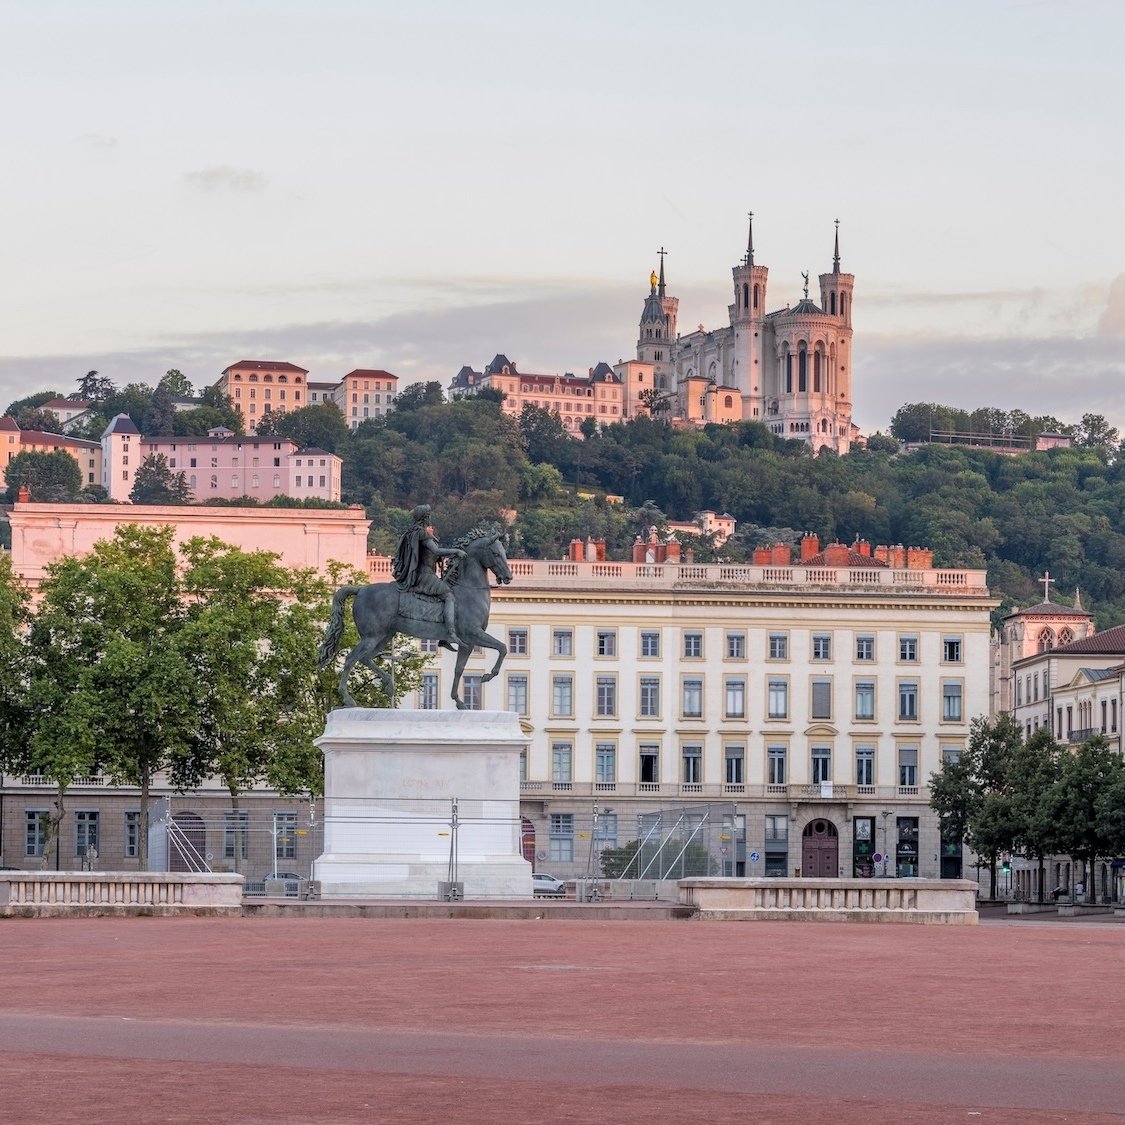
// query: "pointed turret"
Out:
[749,259]
[836,250]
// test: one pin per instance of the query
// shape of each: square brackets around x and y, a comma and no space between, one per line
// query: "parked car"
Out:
[543,884]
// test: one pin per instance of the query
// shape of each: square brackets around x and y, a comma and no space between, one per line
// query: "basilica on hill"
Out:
[790,369]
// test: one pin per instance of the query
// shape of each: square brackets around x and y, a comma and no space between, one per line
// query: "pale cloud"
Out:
[1064,377]
[96,141]
[1112,322]
[225,177]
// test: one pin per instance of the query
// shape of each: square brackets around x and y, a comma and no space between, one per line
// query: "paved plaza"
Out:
[313,1019]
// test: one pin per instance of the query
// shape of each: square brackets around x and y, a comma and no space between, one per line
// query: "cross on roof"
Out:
[1046,580]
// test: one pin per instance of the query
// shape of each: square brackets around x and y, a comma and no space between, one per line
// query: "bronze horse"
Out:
[381,610]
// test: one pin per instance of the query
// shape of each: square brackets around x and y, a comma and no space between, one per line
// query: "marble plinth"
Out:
[390,778]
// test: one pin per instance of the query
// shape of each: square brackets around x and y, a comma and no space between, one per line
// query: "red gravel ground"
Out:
[268,1019]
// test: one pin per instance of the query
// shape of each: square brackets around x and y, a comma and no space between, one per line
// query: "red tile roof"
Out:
[855,561]
[41,437]
[264,365]
[369,373]
[1111,642]
[1050,609]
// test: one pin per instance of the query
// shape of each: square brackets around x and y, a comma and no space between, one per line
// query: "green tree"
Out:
[177,383]
[156,483]
[956,797]
[1074,806]
[133,399]
[1034,771]
[202,419]
[321,425]
[49,477]
[879,442]
[159,417]
[419,395]
[993,826]
[38,418]
[14,708]
[95,388]
[109,687]
[545,438]
[655,401]
[250,634]
[31,402]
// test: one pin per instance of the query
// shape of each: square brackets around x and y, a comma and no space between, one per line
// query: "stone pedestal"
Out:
[390,779]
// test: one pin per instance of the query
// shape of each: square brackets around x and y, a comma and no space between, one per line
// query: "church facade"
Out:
[790,369]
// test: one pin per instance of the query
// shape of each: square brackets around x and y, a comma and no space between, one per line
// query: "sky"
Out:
[417,186]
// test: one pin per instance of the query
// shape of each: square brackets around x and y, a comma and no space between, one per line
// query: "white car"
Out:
[544,884]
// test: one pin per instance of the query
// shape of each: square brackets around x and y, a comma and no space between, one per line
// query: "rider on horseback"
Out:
[415,566]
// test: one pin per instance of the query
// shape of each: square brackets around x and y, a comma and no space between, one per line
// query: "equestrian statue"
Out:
[451,608]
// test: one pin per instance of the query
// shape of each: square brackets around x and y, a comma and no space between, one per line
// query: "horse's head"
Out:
[484,548]
[489,552]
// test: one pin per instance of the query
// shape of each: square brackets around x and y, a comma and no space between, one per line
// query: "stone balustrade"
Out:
[50,894]
[946,901]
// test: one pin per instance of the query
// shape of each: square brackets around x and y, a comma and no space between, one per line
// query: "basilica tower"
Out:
[836,300]
[657,332]
[747,317]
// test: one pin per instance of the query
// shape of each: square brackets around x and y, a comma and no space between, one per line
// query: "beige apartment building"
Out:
[797,706]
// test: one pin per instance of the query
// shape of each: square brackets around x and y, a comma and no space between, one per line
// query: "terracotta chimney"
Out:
[638,550]
[672,551]
[577,550]
[762,556]
[810,545]
[919,558]
[781,555]
[23,496]
[835,554]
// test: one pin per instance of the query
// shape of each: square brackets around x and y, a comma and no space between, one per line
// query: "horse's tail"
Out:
[330,642]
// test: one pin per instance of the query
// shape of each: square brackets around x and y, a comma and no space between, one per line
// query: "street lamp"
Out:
[886,813]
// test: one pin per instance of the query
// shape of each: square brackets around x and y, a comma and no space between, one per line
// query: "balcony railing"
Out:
[553,573]
[1083,734]
[802,793]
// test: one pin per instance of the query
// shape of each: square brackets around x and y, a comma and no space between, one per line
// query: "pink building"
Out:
[13,440]
[221,465]
[302,537]
[263,386]
[599,395]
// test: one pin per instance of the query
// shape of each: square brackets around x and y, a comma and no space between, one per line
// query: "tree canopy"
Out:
[140,658]
[49,477]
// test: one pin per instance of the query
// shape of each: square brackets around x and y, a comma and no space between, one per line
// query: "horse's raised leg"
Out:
[479,637]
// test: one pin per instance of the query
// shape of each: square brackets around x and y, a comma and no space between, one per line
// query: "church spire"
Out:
[750,239]
[1078,599]
[836,251]
[660,289]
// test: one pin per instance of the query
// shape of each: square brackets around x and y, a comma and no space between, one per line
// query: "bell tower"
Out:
[747,316]
[657,332]
[836,300]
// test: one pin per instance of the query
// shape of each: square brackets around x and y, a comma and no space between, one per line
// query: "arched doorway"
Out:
[820,850]
[187,843]
[527,840]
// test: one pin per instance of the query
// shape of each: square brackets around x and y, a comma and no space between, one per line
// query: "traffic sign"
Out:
[754,857]
[876,858]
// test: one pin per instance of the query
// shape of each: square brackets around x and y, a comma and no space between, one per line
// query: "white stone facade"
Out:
[792,695]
